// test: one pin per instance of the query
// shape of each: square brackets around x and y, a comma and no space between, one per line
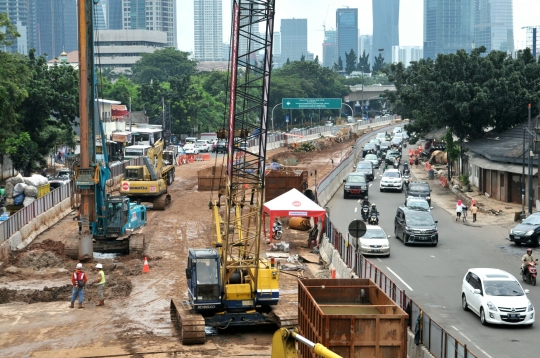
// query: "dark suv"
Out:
[355,184]
[528,232]
[366,167]
[415,226]
[419,189]
[220,147]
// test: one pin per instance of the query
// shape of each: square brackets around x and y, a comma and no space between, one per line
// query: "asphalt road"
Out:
[432,276]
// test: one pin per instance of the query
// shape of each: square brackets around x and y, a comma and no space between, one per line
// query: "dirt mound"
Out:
[56,247]
[39,259]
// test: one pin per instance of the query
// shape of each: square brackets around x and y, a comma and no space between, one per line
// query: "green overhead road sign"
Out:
[311,103]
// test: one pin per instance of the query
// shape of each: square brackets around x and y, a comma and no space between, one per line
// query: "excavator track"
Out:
[162,202]
[189,325]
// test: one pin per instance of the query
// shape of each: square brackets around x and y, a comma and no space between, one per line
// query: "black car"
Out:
[528,232]
[419,189]
[355,184]
[368,148]
[220,147]
[414,225]
[366,167]
[390,155]
[385,145]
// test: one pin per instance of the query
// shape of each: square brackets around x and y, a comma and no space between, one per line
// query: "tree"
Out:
[466,92]
[350,62]
[316,60]
[303,58]
[340,64]
[363,63]
[163,64]
[7,38]
[379,63]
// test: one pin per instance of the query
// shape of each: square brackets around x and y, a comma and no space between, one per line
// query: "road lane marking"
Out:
[370,185]
[355,209]
[399,278]
[467,338]
[432,256]
[379,259]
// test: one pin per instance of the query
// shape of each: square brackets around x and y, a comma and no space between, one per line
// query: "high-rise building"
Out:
[276,43]
[346,33]
[329,49]
[151,15]
[385,28]
[100,15]
[294,42]
[208,30]
[56,27]
[448,26]
[494,25]
[406,54]
[21,13]
[366,46]
[114,15]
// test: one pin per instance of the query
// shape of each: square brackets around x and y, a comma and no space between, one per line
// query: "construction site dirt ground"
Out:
[35,287]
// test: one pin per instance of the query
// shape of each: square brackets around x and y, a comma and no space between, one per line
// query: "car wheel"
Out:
[401,190]
[345,196]
[464,304]
[483,317]
[538,240]
[381,190]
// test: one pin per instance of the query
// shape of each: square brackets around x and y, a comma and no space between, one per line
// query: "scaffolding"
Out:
[533,39]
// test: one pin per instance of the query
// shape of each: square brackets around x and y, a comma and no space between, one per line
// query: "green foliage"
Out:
[452,150]
[339,65]
[467,92]
[316,60]
[363,63]
[9,33]
[350,62]
[379,63]
[22,151]
[162,65]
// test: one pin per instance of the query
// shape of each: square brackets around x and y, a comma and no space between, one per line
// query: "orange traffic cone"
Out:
[145,268]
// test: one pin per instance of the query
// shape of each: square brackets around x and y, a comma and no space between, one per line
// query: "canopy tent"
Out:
[292,203]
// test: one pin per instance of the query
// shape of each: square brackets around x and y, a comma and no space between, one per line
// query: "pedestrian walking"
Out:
[473,202]
[459,209]
[78,281]
[416,162]
[474,211]
[100,282]
[464,212]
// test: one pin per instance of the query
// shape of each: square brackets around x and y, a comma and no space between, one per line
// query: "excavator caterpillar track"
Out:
[188,325]
[136,244]
[162,202]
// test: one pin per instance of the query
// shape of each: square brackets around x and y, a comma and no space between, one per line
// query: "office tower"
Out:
[366,44]
[448,26]
[56,27]
[22,17]
[385,28]
[347,33]
[114,15]
[151,15]
[100,13]
[293,39]
[329,49]
[494,25]
[406,54]
[208,30]
[276,43]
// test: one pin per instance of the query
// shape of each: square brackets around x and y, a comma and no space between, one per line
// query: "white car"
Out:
[374,242]
[391,180]
[191,148]
[204,145]
[372,158]
[497,297]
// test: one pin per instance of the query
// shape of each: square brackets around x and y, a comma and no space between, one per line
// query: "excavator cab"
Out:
[134,173]
[203,279]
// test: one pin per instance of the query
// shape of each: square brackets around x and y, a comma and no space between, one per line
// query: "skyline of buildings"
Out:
[385,28]
[346,33]
[208,30]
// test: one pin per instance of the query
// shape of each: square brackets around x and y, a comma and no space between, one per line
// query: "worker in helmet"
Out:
[100,283]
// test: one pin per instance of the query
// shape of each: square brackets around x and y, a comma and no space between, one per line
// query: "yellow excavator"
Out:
[149,182]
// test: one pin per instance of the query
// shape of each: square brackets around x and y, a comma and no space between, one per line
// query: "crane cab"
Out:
[203,278]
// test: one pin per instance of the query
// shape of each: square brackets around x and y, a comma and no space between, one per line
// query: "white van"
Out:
[191,140]
[135,151]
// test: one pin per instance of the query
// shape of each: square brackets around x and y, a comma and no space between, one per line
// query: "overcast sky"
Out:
[318,12]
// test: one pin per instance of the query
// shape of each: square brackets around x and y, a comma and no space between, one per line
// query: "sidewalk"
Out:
[446,198]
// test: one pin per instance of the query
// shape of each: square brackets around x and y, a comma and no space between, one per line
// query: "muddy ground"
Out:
[35,286]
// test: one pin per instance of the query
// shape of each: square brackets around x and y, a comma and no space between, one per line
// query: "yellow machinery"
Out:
[284,345]
[149,182]
[229,284]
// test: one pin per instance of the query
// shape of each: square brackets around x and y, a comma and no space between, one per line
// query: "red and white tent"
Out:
[293,203]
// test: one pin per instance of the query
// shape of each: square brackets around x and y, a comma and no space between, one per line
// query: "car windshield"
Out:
[374,234]
[503,288]
[418,187]
[393,152]
[420,220]
[532,220]
[364,165]
[356,179]
[391,175]
[385,143]
[418,204]
[371,157]
[369,145]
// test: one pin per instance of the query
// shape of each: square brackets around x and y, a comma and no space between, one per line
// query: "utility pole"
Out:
[530,164]
[163,118]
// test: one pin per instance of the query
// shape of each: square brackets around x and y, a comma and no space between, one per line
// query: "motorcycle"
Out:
[277,230]
[365,212]
[528,273]
[406,178]
[373,218]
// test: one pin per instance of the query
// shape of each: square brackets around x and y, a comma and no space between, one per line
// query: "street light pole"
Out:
[530,169]
[279,104]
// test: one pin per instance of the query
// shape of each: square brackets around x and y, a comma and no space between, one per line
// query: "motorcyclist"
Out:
[366,202]
[528,257]
[396,162]
[374,210]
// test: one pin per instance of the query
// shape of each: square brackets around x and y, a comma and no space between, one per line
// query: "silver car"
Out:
[372,158]
[374,242]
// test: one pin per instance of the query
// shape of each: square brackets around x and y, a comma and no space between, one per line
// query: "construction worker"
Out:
[100,282]
[78,280]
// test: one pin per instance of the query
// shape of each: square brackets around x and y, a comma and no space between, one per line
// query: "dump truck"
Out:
[149,182]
